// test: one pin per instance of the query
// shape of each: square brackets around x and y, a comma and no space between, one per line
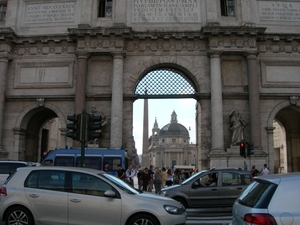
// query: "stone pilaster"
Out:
[254,102]
[217,137]
[145,135]
[116,128]
[4,59]
[81,78]
[270,153]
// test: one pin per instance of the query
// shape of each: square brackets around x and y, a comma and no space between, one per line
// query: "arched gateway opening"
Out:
[38,130]
[287,140]
[165,91]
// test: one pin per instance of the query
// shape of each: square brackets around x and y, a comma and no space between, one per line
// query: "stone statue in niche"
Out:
[237,127]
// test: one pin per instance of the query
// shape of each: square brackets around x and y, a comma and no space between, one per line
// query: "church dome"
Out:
[174,128]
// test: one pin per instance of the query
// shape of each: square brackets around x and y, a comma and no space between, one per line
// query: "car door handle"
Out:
[75,200]
[33,195]
[239,188]
[214,189]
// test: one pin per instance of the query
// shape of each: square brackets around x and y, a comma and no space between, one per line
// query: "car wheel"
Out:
[19,215]
[142,219]
[182,201]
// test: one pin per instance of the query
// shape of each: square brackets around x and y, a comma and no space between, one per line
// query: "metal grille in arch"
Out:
[165,81]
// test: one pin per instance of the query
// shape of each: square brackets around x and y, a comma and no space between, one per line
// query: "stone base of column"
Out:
[3,153]
[232,158]
[233,150]
[218,158]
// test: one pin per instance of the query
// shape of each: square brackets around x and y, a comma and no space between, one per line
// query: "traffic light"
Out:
[94,127]
[74,127]
[242,148]
[250,149]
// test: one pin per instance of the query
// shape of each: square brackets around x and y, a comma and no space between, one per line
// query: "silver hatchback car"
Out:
[76,196]
[210,189]
[271,200]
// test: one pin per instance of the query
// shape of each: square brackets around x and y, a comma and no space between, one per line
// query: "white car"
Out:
[76,196]
[269,200]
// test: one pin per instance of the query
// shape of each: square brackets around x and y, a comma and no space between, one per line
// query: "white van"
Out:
[184,167]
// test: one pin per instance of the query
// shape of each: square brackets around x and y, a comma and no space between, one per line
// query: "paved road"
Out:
[199,221]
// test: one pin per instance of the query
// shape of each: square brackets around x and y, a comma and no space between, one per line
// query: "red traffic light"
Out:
[242,144]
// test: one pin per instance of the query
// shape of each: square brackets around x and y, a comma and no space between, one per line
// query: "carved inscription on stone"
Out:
[50,12]
[279,11]
[166,11]
[44,74]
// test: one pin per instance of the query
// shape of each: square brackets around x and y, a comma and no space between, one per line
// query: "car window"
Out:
[209,180]
[89,185]
[232,179]
[121,184]
[10,167]
[257,195]
[46,179]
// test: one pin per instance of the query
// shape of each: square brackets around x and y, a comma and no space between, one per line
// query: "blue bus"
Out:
[93,158]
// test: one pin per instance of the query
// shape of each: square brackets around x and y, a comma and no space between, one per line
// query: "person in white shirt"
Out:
[130,173]
[265,171]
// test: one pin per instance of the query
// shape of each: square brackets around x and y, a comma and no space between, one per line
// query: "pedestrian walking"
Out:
[130,173]
[157,180]
[265,171]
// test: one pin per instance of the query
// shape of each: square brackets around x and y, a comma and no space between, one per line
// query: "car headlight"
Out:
[174,210]
[163,193]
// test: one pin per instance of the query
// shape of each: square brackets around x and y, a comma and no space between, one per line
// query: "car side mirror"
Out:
[110,194]
[195,184]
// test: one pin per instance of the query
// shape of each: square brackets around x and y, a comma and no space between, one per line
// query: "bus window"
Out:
[90,162]
[64,161]
[113,162]
[48,162]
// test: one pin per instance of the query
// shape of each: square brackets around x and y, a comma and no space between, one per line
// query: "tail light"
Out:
[260,219]
[3,191]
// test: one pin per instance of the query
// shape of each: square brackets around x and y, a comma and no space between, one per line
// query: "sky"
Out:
[161,109]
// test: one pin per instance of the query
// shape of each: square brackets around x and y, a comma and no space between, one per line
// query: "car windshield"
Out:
[258,194]
[192,177]
[121,184]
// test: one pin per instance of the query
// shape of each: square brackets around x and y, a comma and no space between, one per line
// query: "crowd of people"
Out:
[158,178]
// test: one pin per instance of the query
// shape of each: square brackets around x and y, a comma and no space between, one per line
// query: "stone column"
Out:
[145,155]
[63,137]
[116,128]
[80,92]
[4,58]
[217,137]
[270,153]
[254,102]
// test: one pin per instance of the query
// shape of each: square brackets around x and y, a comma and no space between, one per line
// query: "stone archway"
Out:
[288,115]
[164,82]
[30,127]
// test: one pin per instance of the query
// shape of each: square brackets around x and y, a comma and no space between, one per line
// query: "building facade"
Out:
[170,145]
[58,57]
